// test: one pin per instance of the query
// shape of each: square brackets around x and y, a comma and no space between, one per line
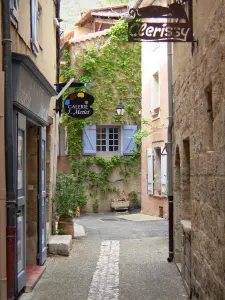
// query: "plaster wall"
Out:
[45,60]
[154,59]
[193,74]
[21,37]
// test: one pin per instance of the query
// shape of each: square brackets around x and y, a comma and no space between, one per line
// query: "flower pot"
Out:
[120,204]
[66,225]
[77,212]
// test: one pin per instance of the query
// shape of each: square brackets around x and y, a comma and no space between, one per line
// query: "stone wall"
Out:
[198,149]
[133,184]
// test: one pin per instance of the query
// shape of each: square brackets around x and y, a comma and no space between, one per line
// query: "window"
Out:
[107,139]
[210,119]
[155,103]
[157,171]
[40,26]
[14,12]
[34,26]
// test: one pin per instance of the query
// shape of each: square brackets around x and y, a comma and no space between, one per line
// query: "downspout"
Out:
[169,149]
[9,151]
[3,279]
[56,123]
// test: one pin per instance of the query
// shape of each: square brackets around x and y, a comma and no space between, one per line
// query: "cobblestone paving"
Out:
[105,283]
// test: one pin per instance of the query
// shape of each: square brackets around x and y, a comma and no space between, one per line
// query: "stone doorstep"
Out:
[34,274]
[60,245]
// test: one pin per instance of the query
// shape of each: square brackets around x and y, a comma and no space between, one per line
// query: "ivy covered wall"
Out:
[114,67]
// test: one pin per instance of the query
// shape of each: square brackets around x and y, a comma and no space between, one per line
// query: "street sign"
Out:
[179,29]
[77,105]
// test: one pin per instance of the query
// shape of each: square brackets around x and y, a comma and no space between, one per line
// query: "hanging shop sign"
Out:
[179,29]
[77,105]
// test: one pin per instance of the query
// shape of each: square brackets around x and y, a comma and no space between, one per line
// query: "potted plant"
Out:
[66,202]
[134,200]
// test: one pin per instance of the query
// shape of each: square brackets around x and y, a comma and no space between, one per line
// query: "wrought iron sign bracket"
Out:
[180,30]
[62,87]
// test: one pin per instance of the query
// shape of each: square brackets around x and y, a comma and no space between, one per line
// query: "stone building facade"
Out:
[87,35]
[198,153]
[75,46]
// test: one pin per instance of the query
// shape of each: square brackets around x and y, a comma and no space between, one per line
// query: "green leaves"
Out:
[114,66]
[69,195]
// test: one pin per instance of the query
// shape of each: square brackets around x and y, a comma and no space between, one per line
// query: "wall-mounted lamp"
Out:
[120,109]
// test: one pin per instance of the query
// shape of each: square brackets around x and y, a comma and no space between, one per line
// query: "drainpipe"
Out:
[9,150]
[56,123]
[169,149]
[3,279]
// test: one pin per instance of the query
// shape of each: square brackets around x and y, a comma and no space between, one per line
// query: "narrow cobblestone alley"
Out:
[121,257]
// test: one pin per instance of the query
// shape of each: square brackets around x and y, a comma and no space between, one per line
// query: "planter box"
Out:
[120,205]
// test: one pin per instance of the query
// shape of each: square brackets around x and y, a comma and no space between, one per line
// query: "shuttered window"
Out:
[107,139]
[129,140]
[153,188]
[14,11]
[150,171]
[163,172]
[89,140]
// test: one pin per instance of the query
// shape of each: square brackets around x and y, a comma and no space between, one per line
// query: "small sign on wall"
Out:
[77,105]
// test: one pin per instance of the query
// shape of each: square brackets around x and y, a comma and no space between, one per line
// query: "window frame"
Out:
[107,127]
[155,107]
[14,12]
[157,178]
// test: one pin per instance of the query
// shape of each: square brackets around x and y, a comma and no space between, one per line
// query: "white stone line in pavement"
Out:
[105,282]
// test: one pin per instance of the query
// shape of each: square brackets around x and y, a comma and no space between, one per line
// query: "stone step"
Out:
[33,273]
[60,245]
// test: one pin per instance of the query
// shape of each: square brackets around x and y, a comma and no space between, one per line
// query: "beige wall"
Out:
[21,39]
[204,206]
[45,60]
[154,59]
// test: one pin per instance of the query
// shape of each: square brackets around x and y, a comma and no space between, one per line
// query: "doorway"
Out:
[31,197]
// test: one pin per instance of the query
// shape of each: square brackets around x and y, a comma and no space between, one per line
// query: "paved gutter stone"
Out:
[105,282]
[60,245]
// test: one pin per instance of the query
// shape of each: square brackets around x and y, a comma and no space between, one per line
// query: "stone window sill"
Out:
[186,225]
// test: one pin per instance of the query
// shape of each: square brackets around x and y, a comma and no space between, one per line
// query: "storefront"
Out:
[31,99]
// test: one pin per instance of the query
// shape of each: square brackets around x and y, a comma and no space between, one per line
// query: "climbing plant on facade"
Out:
[114,67]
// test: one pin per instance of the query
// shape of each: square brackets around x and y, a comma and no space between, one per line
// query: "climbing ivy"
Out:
[114,67]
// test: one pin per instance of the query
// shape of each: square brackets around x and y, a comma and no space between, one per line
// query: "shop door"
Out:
[42,239]
[21,201]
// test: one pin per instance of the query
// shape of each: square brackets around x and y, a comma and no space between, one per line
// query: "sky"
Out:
[71,9]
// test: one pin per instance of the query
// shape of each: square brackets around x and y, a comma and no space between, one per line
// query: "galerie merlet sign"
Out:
[77,105]
[178,31]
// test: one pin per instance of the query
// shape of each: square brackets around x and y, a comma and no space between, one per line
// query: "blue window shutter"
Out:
[163,172]
[128,139]
[89,140]
[34,26]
